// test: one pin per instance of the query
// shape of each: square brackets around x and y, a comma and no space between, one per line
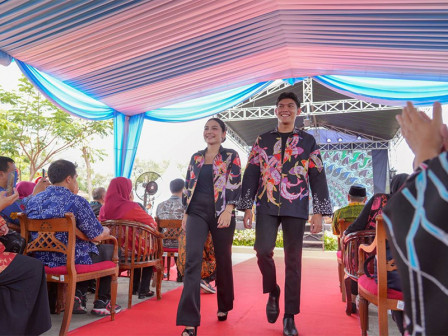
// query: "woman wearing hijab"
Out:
[25,188]
[119,204]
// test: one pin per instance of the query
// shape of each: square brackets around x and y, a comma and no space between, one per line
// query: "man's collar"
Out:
[356,203]
[296,130]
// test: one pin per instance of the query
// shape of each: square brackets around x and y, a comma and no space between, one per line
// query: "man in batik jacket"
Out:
[282,166]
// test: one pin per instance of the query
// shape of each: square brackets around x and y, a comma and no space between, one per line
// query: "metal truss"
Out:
[248,113]
[347,106]
[232,135]
[350,132]
[318,108]
[274,87]
[354,146]
[307,95]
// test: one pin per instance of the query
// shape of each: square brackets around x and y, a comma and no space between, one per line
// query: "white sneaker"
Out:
[207,288]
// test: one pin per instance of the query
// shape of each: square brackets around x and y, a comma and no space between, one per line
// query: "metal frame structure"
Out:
[310,109]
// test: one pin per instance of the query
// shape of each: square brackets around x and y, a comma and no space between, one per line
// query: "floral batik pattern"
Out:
[282,187]
[226,177]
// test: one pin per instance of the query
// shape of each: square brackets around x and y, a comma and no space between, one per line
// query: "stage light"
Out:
[340,139]
[328,140]
[358,137]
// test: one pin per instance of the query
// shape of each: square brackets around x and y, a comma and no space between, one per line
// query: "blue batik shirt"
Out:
[54,202]
[17,206]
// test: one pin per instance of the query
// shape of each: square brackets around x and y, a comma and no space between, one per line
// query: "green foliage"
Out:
[247,238]
[142,166]
[34,130]
[330,241]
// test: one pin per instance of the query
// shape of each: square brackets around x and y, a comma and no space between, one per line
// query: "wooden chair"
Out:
[343,225]
[171,229]
[71,273]
[377,292]
[141,247]
[350,247]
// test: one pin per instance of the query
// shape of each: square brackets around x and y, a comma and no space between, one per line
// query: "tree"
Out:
[141,166]
[90,155]
[34,130]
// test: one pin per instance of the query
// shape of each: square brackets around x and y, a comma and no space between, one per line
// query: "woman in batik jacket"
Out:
[213,185]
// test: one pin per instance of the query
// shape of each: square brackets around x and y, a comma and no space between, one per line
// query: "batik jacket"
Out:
[226,177]
[281,188]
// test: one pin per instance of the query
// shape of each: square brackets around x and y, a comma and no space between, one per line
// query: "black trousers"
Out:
[201,220]
[106,252]
[265,237]
[24,308]
[142,279]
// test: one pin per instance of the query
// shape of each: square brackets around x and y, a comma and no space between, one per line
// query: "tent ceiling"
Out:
[136,56]
[381,125]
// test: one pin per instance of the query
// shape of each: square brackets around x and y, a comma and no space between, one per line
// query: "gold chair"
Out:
[70,273]
[377,292]
[141,247]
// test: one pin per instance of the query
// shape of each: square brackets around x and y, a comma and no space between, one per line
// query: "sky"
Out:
[175,142]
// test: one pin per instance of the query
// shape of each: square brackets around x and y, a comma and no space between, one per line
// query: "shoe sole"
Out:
[103,312]
[207,290]
[79,312]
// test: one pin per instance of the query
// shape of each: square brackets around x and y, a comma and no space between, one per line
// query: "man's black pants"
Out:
[265,237]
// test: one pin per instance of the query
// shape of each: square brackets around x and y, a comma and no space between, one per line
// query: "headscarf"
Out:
[25,188]
[117,201]
[397,181]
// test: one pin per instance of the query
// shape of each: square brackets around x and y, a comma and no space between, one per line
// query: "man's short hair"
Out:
[177,185]
[288,95]
[59,170]
[4,160]
[98,193]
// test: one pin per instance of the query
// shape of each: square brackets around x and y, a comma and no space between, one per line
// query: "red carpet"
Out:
[322,311]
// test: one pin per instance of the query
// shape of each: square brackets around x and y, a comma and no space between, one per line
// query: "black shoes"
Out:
[289,327]
[145,295]
[272,307]
[222,316]
[190,332]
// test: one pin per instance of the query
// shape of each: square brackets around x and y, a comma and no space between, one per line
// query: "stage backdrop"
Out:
[346,168]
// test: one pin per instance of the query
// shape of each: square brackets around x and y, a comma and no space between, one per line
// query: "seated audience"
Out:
[367,221]
[416,219]
[25,188]
[8,166]
[172,208]
[374,207]
[24,308]
[119,204]
[356,200]
[98,200]
[59,198]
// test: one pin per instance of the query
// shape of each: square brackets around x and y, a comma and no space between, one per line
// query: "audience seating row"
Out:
[145,251]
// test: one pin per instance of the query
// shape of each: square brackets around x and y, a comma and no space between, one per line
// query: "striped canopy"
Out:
[137,57]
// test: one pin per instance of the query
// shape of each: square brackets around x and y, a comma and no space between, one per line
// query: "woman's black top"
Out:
[204,184]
